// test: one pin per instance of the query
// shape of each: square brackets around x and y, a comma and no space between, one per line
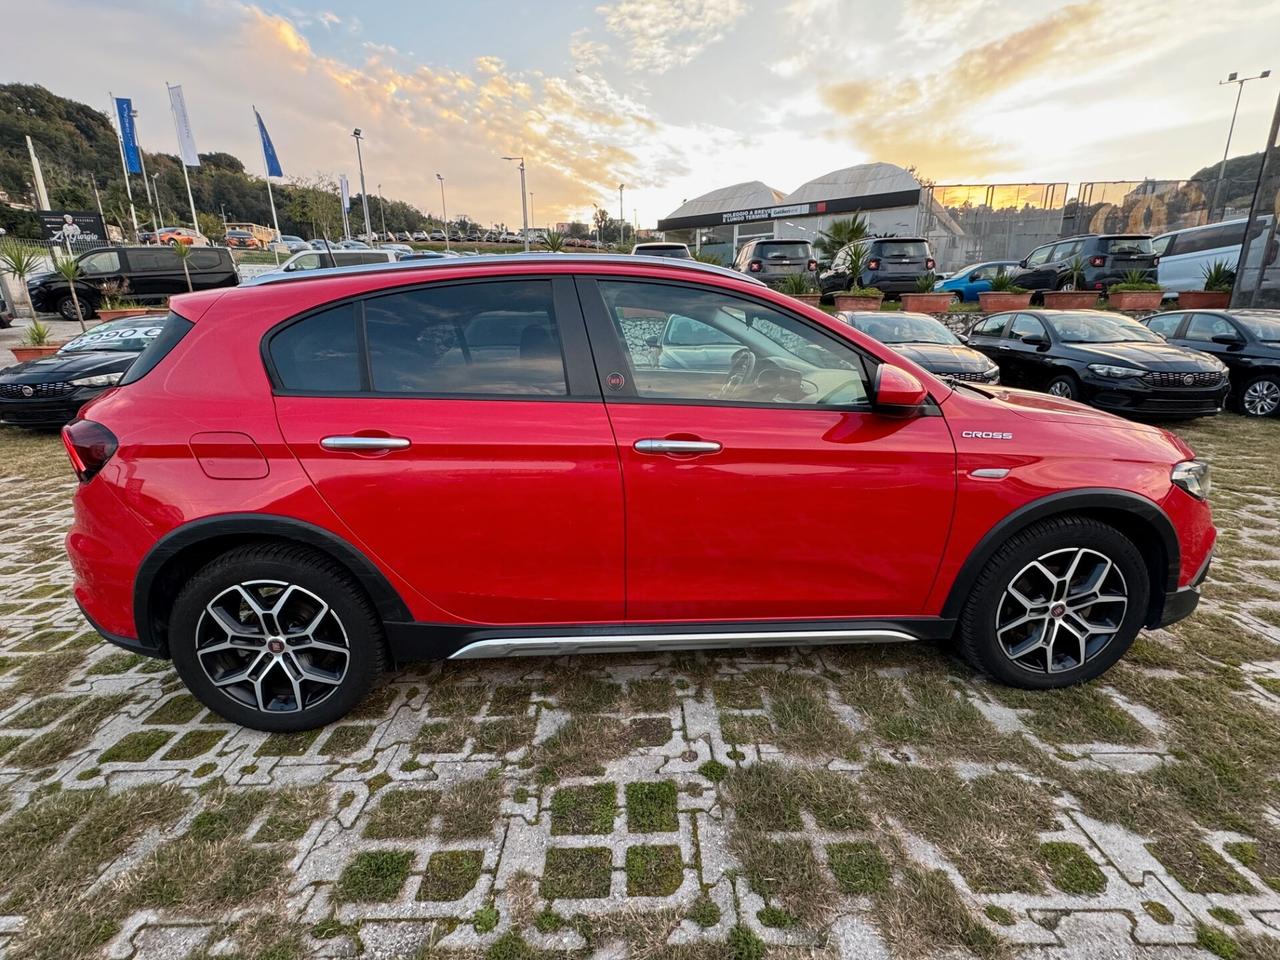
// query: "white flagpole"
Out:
[147,184]
[133,214]
[195,220]
[266,167]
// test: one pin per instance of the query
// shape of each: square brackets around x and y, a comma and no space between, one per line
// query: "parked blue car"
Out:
[968,282]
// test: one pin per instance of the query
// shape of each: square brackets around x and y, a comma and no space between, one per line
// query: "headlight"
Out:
[100,380]
[1113,372]
[1193,477]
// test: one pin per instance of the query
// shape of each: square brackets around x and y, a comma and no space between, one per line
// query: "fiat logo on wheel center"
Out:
[275,646]
[1057,610]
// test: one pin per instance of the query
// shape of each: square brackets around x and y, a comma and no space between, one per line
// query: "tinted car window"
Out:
[1097,328]
[1025,325]
[1265,328]
[484,338]
[796,249]
[203,258]
[1125,244]
[793,363]
[318,354]
[171,332]
[1065,251]
[1038,256]
[1166,326]
[153,261]
[903,248]
[1211,238]
[103,261]
[991,326]
[896,327]
[1206,326]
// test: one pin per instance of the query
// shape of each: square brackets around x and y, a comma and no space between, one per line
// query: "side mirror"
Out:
[653,342]
[1022,264]
[897,393]
[976,275]
[1227,339]
[1035,340]
[962,337]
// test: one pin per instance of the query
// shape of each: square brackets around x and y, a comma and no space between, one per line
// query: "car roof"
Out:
[504,259]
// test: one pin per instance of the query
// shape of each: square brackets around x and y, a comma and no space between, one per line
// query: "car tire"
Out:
[1063,385]
[1260,396]
[302,615]
[1077,583]
[67,309]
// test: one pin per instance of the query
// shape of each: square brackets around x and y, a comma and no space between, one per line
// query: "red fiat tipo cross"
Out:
[305,479]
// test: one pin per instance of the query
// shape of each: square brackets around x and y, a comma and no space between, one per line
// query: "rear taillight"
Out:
[1097,261]
[812,265]
[89,445]
[929,263]
[873,263]
[755,266]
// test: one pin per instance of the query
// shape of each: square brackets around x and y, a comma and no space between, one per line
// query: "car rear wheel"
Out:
[67,309]
[1058,604]
[277,638]
[1064,385]
[1260,396]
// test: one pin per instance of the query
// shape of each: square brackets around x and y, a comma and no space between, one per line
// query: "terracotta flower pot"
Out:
[852,301]
[1204,299]
[927,302]
[22,354]
[1135,299]
[1070,299]
[812,299]
[994,301]
[105,315]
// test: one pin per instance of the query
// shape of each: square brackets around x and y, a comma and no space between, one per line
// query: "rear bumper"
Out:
[124,643]
[891,283]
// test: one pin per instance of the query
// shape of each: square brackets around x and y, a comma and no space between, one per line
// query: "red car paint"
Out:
[538,513]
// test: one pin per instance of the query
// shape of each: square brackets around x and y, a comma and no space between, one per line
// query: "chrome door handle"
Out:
[365,444]
[676,446]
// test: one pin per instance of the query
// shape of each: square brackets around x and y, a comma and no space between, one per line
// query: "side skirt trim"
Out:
[665,642]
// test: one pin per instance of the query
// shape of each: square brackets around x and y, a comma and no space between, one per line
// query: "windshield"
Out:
[123,336]
[1127,245]
[1262,326]
[1090,328]
[903,329]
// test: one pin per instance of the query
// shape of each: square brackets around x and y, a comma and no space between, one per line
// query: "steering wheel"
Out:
[740,373]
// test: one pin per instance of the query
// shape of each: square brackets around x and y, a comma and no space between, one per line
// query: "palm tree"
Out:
[183,252]
[69,270]
[553,241]
[840,234]
[21,260]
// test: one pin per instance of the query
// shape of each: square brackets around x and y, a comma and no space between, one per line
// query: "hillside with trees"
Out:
[77,147]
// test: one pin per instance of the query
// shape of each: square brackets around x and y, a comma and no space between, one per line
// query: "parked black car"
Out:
[923,339]
[1106,258]
[6,315]
[1102,359]
[894,265]
[149,274]
[48,392]
[1247,341]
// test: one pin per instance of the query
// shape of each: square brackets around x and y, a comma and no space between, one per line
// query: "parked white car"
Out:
[315,259]
[1186,254]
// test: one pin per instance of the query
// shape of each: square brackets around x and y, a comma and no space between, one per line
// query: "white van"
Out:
[1186,254]
[335,257]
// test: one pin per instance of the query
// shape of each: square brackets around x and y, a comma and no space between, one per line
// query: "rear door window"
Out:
[173,330]
[104,261]
[1205,326]
[319,353]
[159,260]
[1166,325]
[992,326]
[204,259]
[1025,325]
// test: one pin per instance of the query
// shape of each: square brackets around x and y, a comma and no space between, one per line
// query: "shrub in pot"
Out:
[36,344]
[801,287]
[1135,292]
[1219,278]
[926,299]
[1004,294]
[1071,296]
[859,298]
[117,304]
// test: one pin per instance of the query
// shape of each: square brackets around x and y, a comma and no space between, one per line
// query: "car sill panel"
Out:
[665,642]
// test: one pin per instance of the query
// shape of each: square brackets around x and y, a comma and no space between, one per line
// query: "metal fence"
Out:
[1258,272]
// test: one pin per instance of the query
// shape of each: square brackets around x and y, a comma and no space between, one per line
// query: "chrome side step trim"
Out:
[664,642]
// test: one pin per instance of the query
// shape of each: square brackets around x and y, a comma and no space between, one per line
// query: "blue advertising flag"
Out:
[128,134]
[268,148]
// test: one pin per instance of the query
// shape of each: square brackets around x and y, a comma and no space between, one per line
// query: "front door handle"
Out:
[659,446]
[364,444]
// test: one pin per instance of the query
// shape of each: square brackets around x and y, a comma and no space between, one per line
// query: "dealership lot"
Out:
[845,802]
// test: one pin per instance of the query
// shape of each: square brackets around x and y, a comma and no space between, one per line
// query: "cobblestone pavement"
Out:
[855,802]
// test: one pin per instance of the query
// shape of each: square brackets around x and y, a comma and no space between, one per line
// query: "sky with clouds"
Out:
[671,97]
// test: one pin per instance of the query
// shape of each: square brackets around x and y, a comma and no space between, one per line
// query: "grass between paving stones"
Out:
[179,709]
[859,867]
[70,734]
[1082,714]
[653,871]
[652,807]
[293,810]
[135,747]
[1071,870]
[373,876]
[749,728]
[403,814]
[580,748]
[1198,867]
[803,721]
[288,744]
[589,809]
[1262,858]
[193,743]
[346,739]
[114,663]
[577,873]
[451,874]
[470,809]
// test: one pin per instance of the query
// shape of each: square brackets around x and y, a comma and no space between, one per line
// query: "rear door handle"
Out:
[659,446]
[364,444]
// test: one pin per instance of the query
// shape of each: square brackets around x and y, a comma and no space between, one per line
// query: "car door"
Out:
[987,335]
[773,495]
[457,430]
[1027,363]
[1059,262]
[1036,273]
[1200,331]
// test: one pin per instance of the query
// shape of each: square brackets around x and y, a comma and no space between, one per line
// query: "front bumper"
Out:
[1131,397]
[1181,603]
[45,413]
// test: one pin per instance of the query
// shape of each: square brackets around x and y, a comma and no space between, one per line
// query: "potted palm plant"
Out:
[926,299]
[553,241]
[36,344]
[856,297]
[1219,278]
[1135,292]
[69,270]
[1071,296]
[184,254]
[801,287]
[1005,294]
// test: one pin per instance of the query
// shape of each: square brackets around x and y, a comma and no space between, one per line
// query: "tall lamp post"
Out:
[1222,169]
[364,194]
[444,212]
[524,202]
[382,212]
[622,220]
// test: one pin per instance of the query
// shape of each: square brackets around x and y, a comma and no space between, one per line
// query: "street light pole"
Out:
[622,219]
[444,212]
[382,212]
[524,202]
[1222,168]
[364,194]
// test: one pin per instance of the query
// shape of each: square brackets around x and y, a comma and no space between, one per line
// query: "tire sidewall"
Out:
[1094,536]
[1069,380]
[358,619]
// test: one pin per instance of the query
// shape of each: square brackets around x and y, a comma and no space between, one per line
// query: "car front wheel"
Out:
[1056,605]
[67,309]
[1261,396]
[1064,385]
[276,638]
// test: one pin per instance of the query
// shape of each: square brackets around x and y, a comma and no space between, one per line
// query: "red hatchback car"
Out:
[306,479]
